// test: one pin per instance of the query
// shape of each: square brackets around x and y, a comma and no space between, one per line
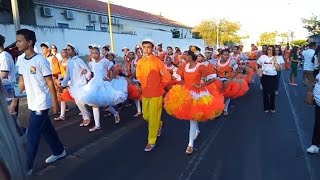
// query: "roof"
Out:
[101,7]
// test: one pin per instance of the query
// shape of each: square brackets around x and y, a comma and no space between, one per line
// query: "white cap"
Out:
[45,44]
[74,47]
[148,40]
[125,48]
[95,46]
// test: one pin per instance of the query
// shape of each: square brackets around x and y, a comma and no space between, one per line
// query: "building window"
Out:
[63,25]
[104,29]
[90,28]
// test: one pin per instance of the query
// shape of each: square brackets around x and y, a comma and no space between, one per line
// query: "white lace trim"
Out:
[225,64]
[198,95]
[211,76]
[193,69]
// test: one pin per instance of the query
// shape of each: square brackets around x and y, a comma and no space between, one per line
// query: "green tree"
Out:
[228,31]
[312,25]
[268,38]
[299,42]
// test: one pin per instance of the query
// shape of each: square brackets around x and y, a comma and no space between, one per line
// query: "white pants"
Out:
[82,107]
[193,131]
[96,116]
[63,109]
[226,104]
[138,105]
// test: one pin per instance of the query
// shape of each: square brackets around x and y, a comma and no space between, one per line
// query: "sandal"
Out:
[94,128]
[137,114]
[60,118]
[189,150]
[117,119]
[85,123]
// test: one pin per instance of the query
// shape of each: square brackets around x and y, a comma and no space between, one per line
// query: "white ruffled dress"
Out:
[99,92]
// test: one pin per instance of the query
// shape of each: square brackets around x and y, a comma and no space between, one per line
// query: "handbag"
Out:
[276,63]
[310,99]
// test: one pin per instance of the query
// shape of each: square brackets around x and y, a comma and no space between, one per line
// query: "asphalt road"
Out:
[248,144]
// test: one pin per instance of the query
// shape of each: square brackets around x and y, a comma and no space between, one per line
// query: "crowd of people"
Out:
[188,85]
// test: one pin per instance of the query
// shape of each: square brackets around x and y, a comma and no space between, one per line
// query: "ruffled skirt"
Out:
[134,91]
[102,93]
[200,104]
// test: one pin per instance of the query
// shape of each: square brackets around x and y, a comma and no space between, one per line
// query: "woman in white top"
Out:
[314,148]
[270,65]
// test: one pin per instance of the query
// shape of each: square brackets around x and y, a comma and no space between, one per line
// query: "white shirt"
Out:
[74,67]
[7,65]
[280,60]
[267,64]
[308,56]
[34,72]
[59,57]
[316,90]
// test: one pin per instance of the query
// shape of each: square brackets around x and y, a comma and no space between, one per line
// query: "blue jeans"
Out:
[40,125]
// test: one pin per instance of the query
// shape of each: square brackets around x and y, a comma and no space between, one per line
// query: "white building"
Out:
[86,21]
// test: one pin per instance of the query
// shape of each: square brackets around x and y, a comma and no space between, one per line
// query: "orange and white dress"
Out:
[232,87]
[175,78]
[188,102]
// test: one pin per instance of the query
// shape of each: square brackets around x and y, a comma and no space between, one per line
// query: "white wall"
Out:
[81,39]
[82,20]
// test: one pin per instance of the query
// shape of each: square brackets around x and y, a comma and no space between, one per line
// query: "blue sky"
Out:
[267,15]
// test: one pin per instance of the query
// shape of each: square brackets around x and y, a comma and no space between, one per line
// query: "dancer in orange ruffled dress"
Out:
[194,101]
[227,71]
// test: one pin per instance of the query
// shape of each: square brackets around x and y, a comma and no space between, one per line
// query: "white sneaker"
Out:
[53,158]
[313,149]
[80,114]
[276,92]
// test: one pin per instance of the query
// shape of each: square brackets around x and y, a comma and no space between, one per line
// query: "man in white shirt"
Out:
[8,78]
[77,73]
[308,66]
[36,79]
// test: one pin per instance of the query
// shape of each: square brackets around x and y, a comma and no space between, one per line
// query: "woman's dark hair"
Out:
[28,35]
[190,53]
[294,50]
[236,47]
[2,40]
[280,50]
[224,50]
[106,48]
[273,50]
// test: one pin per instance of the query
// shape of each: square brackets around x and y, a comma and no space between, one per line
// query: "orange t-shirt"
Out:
[153,76]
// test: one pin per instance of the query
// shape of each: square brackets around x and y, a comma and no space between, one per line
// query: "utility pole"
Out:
[218,34]
[15,14]
[110,27]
